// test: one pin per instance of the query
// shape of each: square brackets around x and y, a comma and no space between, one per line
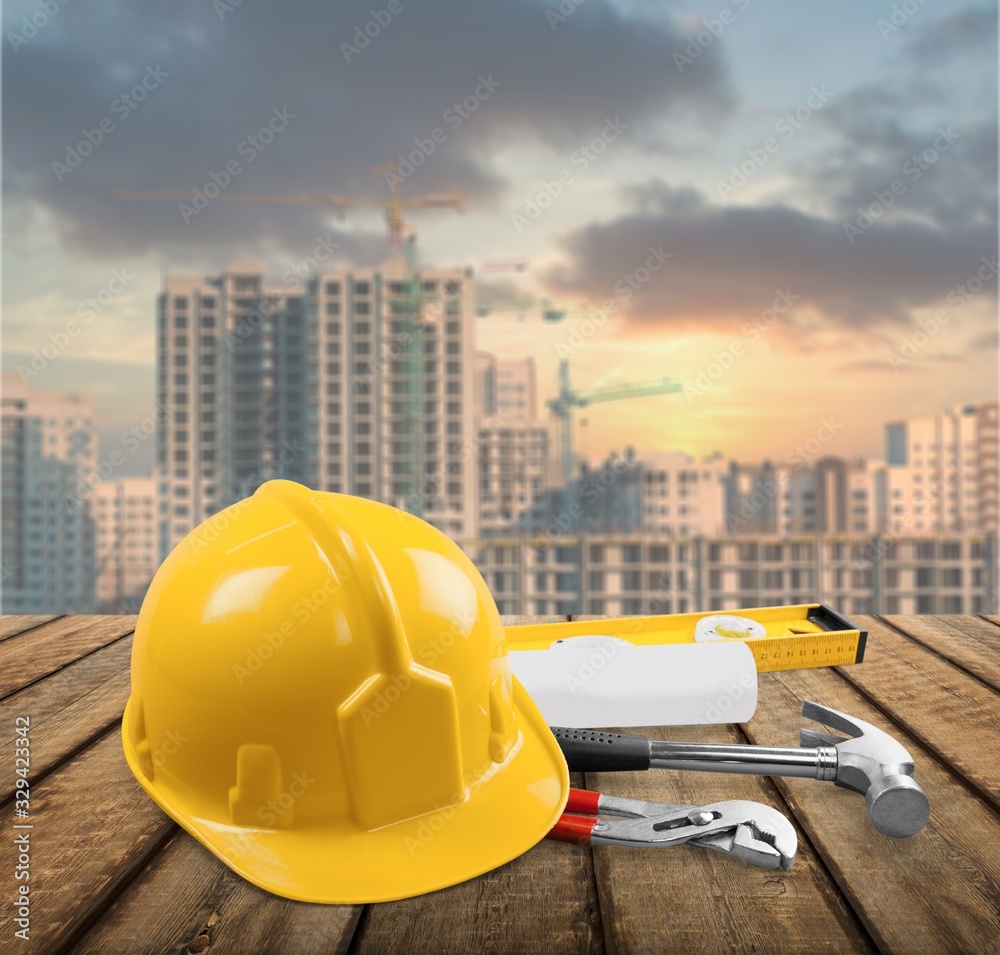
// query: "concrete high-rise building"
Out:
[681,496]
[512,445]
[49,472]
[126,546]
[941,471]
[849,498]
[233,393]
[373,436]
[644,573]
[257,381]
[661,492]
[833,496]
[189,321]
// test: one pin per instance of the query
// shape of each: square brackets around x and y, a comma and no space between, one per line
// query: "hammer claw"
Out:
[809,738]
[839,721]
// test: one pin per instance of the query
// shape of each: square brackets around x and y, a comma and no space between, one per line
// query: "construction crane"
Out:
[398,237]
[567,400]
[547,311]
[393,205]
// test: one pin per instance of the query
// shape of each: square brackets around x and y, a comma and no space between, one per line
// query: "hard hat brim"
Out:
[341,863]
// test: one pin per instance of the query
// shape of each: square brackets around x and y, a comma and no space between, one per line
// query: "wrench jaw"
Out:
[765,835]
[753,833]
[749,831]
[749,845]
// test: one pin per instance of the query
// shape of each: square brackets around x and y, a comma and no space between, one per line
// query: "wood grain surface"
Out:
[112,874]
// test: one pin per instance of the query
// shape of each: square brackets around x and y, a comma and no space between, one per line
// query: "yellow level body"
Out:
[796,637]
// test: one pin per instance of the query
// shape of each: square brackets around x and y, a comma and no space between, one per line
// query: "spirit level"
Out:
[794,638]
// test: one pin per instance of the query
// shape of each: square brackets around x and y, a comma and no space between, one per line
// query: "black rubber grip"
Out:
[590,751]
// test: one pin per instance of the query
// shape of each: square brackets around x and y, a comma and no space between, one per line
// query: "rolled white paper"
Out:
[601,681]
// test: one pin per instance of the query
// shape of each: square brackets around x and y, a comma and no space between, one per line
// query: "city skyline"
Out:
[915,533]
[743,172]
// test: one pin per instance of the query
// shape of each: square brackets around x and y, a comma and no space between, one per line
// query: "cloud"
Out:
[352,110]
[943,81]
[989,340]
[965,32]
[728,262]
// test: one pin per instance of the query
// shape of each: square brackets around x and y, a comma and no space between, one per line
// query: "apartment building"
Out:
[512,445]
[232,392]
[374,435]
[126,546]
[189,321]
[257,381]
[669,493]
[680,496]
[50,462]
[834,495]
[941,471]
[641,573]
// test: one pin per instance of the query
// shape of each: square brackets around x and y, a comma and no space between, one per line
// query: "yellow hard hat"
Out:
[321,696]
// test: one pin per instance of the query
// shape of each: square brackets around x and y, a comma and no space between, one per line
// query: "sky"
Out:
[788,208]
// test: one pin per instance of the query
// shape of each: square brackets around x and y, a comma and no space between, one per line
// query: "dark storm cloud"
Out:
[954,185]
[974,29]
[943,89]
[352,110]
[727,264]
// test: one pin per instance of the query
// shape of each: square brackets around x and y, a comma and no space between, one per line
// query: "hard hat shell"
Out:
[321,696]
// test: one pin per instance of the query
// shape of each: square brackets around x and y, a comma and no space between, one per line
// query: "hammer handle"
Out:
[591,751]
[810,763]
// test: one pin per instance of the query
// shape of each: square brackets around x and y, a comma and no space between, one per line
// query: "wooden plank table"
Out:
[110,873]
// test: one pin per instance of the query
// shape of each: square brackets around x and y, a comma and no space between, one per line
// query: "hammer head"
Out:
[872,763]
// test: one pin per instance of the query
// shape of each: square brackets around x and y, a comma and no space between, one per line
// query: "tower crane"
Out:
[567,400]
[398,238]
[393,205]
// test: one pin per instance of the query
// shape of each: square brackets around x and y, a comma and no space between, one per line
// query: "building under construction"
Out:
[317,385]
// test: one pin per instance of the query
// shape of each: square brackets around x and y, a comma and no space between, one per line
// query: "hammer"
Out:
[867,760]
